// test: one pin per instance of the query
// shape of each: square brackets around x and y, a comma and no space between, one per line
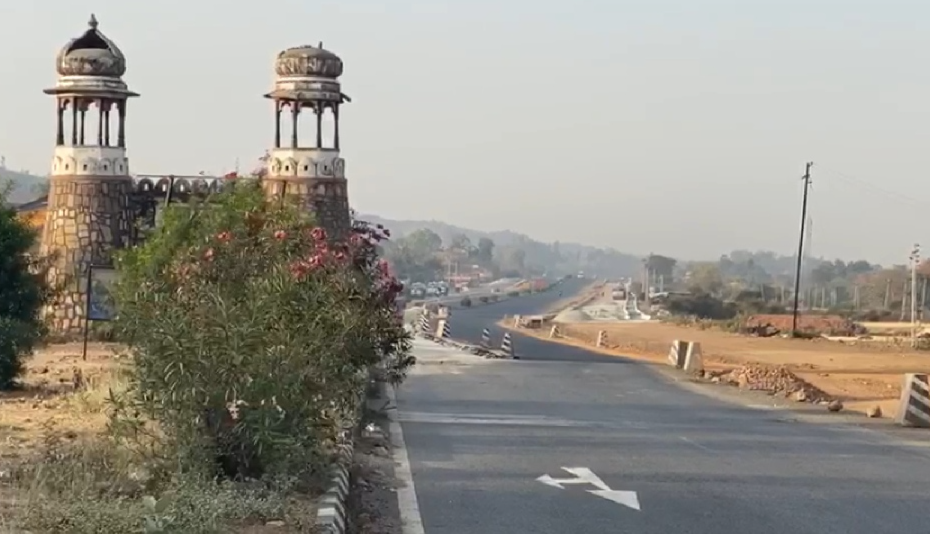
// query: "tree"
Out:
[705,277]
[423,242]
[485,252]
[415,256]
[512,261]
[22,293]
[461,243]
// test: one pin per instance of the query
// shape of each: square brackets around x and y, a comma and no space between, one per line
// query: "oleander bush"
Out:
[251,337]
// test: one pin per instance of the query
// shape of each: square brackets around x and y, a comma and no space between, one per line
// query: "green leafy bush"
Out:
[466,302]
[22,293]
[484,299]
[253,333]
[513,293]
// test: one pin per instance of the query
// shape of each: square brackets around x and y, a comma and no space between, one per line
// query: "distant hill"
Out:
[25,185]
[559,256]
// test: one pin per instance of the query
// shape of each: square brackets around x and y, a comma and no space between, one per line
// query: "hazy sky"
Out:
[667,126]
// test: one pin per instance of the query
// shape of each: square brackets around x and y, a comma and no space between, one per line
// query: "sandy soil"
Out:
[49,402]
[860,374]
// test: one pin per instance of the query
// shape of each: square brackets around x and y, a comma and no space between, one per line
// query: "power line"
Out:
[872,188]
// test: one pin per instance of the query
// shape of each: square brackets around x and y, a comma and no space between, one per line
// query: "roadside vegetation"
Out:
[247,338]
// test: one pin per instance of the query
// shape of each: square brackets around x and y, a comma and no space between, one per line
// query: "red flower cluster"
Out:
[358,251]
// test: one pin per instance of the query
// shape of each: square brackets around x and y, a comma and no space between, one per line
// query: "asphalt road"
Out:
[467,324]
[480,432]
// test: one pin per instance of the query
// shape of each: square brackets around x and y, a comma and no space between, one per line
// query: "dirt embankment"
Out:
[860,375]
[831,325]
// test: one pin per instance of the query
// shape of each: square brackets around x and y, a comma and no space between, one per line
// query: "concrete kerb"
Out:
[331,516]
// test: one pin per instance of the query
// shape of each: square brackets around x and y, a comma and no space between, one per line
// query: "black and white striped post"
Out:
[507,345]
[914,407]
[443,330]
[486,339]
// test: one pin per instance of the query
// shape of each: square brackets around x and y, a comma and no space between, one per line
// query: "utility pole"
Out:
[797,271]
[915,262]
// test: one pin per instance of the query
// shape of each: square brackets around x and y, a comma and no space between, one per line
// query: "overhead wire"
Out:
[871,187]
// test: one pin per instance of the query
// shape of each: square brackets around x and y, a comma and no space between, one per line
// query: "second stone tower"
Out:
[309,167]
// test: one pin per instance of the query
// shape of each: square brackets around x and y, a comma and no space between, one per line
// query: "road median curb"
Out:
[331,515]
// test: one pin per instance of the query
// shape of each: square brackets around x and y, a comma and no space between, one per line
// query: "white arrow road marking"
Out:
[583,475]
[626,498]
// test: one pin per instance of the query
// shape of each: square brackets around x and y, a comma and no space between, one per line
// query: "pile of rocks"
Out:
[775,380]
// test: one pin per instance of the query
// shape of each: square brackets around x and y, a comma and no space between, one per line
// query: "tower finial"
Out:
[320,46]
[92,22]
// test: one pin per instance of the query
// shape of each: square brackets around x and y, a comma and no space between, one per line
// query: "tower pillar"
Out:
[310,166]
[89,214]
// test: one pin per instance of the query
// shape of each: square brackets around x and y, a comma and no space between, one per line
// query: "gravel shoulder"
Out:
[372,505]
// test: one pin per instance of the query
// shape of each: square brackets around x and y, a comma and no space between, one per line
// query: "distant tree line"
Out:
[764,281]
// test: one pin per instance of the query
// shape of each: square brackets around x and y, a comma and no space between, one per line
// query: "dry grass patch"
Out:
[60,394]
[62,471]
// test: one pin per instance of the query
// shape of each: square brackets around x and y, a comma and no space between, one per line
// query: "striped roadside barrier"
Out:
[424,324]
[914,407]
[443,330]
[676,354]
[507,345]
[486,339]
[693,361]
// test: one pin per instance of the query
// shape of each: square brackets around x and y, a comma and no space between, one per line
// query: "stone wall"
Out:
[86,219]
[326,197]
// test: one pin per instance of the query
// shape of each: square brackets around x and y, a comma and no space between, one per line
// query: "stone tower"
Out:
[88,214]
[307,79]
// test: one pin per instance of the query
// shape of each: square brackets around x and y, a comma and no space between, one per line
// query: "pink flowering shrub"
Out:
[253,332]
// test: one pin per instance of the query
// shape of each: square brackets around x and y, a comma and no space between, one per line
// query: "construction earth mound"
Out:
[775,380]
[830,325]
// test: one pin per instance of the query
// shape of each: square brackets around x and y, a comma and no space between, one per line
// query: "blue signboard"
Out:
[100,303]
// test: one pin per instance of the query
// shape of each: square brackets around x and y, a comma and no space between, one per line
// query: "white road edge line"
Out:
[411,521]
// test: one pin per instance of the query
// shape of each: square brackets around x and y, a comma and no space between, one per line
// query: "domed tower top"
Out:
[91,63]
[308,74]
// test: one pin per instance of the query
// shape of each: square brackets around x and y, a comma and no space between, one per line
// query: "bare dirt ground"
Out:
[372,505]
[61,394]
[860,374]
